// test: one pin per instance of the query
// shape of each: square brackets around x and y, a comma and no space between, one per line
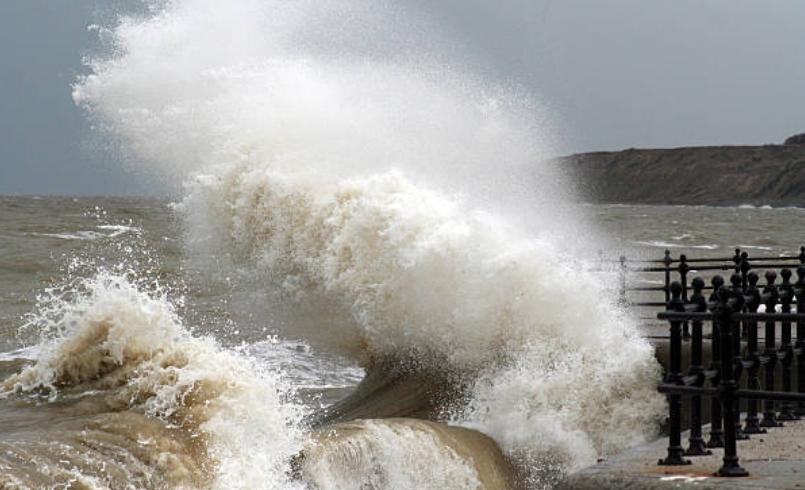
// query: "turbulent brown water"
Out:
[116,392]
[364,278]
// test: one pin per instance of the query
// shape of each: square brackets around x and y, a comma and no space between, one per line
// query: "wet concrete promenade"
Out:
[775,460]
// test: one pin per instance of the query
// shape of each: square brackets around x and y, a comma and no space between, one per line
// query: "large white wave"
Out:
[563,371]
[377,180]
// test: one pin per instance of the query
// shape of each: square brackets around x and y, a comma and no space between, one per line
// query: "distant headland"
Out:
[707,175]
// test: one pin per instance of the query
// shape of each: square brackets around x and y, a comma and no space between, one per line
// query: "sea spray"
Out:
[390,189]
[120,352]
[558,407]
[200,83]
[564,375]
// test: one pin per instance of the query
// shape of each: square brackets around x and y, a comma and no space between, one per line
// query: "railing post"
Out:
[674,376]
[716,419]
[696,446]
[683,278]
[729,302]
[735,334]
[667,261]
[786,352]
[752,425]
[799,346]
[736,259]
[745,267]
[622,279]
[769,358]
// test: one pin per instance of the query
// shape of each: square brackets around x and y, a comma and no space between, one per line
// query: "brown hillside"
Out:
[712,175]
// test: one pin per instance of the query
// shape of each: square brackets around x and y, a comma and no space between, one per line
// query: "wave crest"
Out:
[118,350]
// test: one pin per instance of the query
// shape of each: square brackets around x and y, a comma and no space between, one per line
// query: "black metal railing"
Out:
[739,370]
[682,267]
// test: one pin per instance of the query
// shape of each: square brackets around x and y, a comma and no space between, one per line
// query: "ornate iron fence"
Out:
[682,266]
[733,312]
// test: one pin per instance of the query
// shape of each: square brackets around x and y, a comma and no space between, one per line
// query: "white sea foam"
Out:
[107,328]
[752,206]
[304,367]
[383,455]
[663,244]
[117,230]
[755,247]
[377,181]
[24,353]
[106,231]
[421,273]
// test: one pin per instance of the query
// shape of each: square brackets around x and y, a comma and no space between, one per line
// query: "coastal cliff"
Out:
[709,175]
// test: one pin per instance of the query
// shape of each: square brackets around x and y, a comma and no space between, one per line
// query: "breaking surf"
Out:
[355,191]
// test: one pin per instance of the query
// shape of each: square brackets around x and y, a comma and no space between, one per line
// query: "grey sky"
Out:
[615,74]
[44,140]
[642,73]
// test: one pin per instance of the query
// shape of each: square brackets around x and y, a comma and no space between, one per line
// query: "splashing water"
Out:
[335,151]
[117,348]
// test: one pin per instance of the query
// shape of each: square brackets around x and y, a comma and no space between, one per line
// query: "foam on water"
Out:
[384,183]
[111,340]
[384,454]
[106,231]
[24,353]
[663,244]
[426,277]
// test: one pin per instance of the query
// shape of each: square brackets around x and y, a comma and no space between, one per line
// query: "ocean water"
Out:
[367,274]
[131,361]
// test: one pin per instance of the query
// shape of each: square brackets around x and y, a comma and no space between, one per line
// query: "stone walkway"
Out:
[775,461]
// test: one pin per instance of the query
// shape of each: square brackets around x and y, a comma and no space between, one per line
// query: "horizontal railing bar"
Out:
[723,267]
[684,315]
[670,389]
[691,379]
[729,260]
[793,304]
[690,288]
[784,396]
[768,259]
[702,259]
[769,316]
[749,259]
[691,315]
[673,389]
